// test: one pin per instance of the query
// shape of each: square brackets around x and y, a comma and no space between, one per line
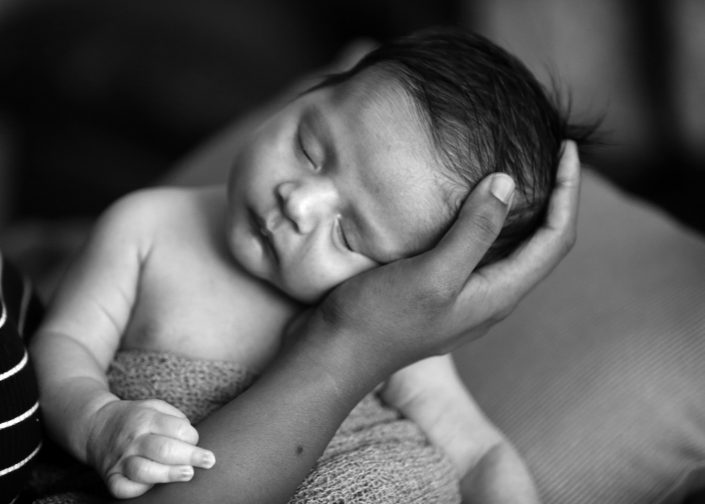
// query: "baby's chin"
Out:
[298,288]
[304,294]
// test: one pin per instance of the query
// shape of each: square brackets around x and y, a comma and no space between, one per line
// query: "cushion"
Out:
[598,375]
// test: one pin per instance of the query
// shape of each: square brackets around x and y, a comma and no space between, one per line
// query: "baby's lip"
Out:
[263,230]
[273,222]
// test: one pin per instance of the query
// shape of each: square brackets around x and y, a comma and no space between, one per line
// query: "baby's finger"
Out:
[121,487]
[164,407]
[142,470]
[174,427]
[170,451]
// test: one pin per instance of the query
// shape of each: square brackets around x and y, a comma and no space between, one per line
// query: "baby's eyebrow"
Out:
[316,116]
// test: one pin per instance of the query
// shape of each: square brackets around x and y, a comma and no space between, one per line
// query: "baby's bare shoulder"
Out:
[151,211]
[156,202]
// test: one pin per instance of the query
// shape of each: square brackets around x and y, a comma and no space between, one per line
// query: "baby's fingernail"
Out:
[207,460]
[185,473]
[502,187]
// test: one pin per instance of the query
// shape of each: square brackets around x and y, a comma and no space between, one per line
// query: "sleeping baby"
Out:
[367,167]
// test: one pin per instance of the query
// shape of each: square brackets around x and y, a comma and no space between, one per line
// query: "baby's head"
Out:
[485,112]
[372,164]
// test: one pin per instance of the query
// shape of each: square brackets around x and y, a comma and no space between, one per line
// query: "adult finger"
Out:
[478,224]
[167,450]
[142,470]
[516,275]
[563,206]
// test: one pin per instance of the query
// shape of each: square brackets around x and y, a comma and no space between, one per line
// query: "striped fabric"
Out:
[20,432]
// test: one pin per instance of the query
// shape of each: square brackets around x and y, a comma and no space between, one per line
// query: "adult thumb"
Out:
[477,225]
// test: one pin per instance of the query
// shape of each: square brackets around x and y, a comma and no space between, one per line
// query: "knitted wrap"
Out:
[375,456]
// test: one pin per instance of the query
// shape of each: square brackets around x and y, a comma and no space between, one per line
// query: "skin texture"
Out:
[339,181]
[303,384]
[309,389]
[366,329]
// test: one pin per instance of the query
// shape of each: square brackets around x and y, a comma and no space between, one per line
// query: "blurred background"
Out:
[99,98]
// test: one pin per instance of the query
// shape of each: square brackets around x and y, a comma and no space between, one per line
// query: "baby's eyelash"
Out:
[302,148]
[343,238]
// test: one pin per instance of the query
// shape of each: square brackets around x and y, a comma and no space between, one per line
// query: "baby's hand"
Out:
[135,444]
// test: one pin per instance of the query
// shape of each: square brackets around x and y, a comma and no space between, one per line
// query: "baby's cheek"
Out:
[304,282]
[345,268]
[310,280]
[361,263]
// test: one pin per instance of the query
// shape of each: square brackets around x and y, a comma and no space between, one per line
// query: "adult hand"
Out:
[431,303]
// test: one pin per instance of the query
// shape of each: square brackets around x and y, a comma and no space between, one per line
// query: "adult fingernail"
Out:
[207,460]
[502,187]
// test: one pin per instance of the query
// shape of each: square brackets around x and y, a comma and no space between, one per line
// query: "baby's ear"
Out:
[352,53]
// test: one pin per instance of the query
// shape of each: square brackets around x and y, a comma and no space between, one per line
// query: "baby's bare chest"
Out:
[196,303]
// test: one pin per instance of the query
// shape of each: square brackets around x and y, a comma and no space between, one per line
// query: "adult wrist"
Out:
[343,355]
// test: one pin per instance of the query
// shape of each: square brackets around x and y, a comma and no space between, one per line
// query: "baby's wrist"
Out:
[87,428]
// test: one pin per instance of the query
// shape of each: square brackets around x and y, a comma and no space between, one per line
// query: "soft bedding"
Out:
[376,456]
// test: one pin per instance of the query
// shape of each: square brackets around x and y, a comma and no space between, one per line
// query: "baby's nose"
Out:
[306,203]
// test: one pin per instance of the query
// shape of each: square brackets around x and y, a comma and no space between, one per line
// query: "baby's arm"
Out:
[131,444]
[431,394]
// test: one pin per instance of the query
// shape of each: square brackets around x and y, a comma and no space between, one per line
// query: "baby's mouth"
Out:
[259,229]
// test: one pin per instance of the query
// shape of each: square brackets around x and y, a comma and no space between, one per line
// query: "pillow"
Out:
[598,375]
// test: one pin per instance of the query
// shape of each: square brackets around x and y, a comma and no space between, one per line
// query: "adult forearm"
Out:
[267,440]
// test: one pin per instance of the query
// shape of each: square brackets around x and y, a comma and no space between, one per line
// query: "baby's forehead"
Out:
[377,104]
[372,92]
[386,124]
[376,89]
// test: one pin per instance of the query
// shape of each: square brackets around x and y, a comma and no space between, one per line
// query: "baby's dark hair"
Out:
[486,113]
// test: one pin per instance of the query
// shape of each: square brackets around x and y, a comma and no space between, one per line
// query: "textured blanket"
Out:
[375,457]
